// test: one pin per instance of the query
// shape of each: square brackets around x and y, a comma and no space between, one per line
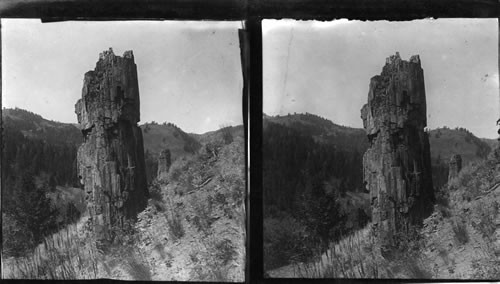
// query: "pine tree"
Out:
[33,209]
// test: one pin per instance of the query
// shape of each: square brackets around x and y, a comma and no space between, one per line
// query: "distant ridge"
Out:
[34,126]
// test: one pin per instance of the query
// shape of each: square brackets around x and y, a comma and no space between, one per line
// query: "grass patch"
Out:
[65,255]
[359,256]
[352,257]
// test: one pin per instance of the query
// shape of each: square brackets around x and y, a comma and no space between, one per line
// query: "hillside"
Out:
[200,207]
[323,130]
[34,126]
[310,162]
[39,149]
[491,142]
[235,131]
[460,240]
[43,148]
[312,184]
[158,137]
[446,142]
[192,229]
[29,138]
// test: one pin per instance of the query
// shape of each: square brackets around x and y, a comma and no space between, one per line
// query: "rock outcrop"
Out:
[164,162]
[111,159]
[455,166]
[397,168]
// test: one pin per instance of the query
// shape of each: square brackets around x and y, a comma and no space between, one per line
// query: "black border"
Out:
[255,257]
[58,10]
[253,11]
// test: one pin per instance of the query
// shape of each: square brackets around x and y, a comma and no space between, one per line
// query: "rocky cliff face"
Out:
[397,168]
[164,163]
[111,158]
[455,166]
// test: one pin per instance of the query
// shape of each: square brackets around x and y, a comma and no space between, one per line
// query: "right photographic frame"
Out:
[379,149]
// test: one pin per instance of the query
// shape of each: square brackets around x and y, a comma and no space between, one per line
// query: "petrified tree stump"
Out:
[397,168]
[164,163]
[111,159]
[455,166]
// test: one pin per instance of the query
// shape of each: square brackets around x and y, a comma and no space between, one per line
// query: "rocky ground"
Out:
[199,233]
[463,237]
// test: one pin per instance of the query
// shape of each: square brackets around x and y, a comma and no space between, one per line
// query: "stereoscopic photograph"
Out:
[123,151]
[380,151]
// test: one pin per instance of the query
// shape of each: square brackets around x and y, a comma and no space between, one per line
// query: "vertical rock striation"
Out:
[397,168]
[455,166]
[111,159]
[164,163]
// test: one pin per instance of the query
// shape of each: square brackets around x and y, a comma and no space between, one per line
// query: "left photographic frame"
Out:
[124,150]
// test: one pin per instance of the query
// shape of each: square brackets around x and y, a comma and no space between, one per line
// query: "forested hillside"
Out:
[158,137]
[313,187]
[311,168]
[38,157]
[445,142]
[36,145]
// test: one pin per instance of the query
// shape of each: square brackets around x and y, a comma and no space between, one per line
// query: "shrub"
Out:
[34,210]
[220,199]
[203,213]
[442,197]
[444,211]
[225,251]
[443,253]
[175,226]
[137,269]
[460,230]
[487,224]
[156,198]
[417,269]
[285,240]
[16,239]
[178,167]
[210,272]
[486,269]
[211,150]
[227,135]
[193,255]
[160,249]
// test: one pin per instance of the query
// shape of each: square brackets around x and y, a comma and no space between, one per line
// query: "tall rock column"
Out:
[397,168]
[111,159]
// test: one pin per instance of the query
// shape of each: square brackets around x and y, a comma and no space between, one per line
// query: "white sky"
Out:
[189,72]
[325,68]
